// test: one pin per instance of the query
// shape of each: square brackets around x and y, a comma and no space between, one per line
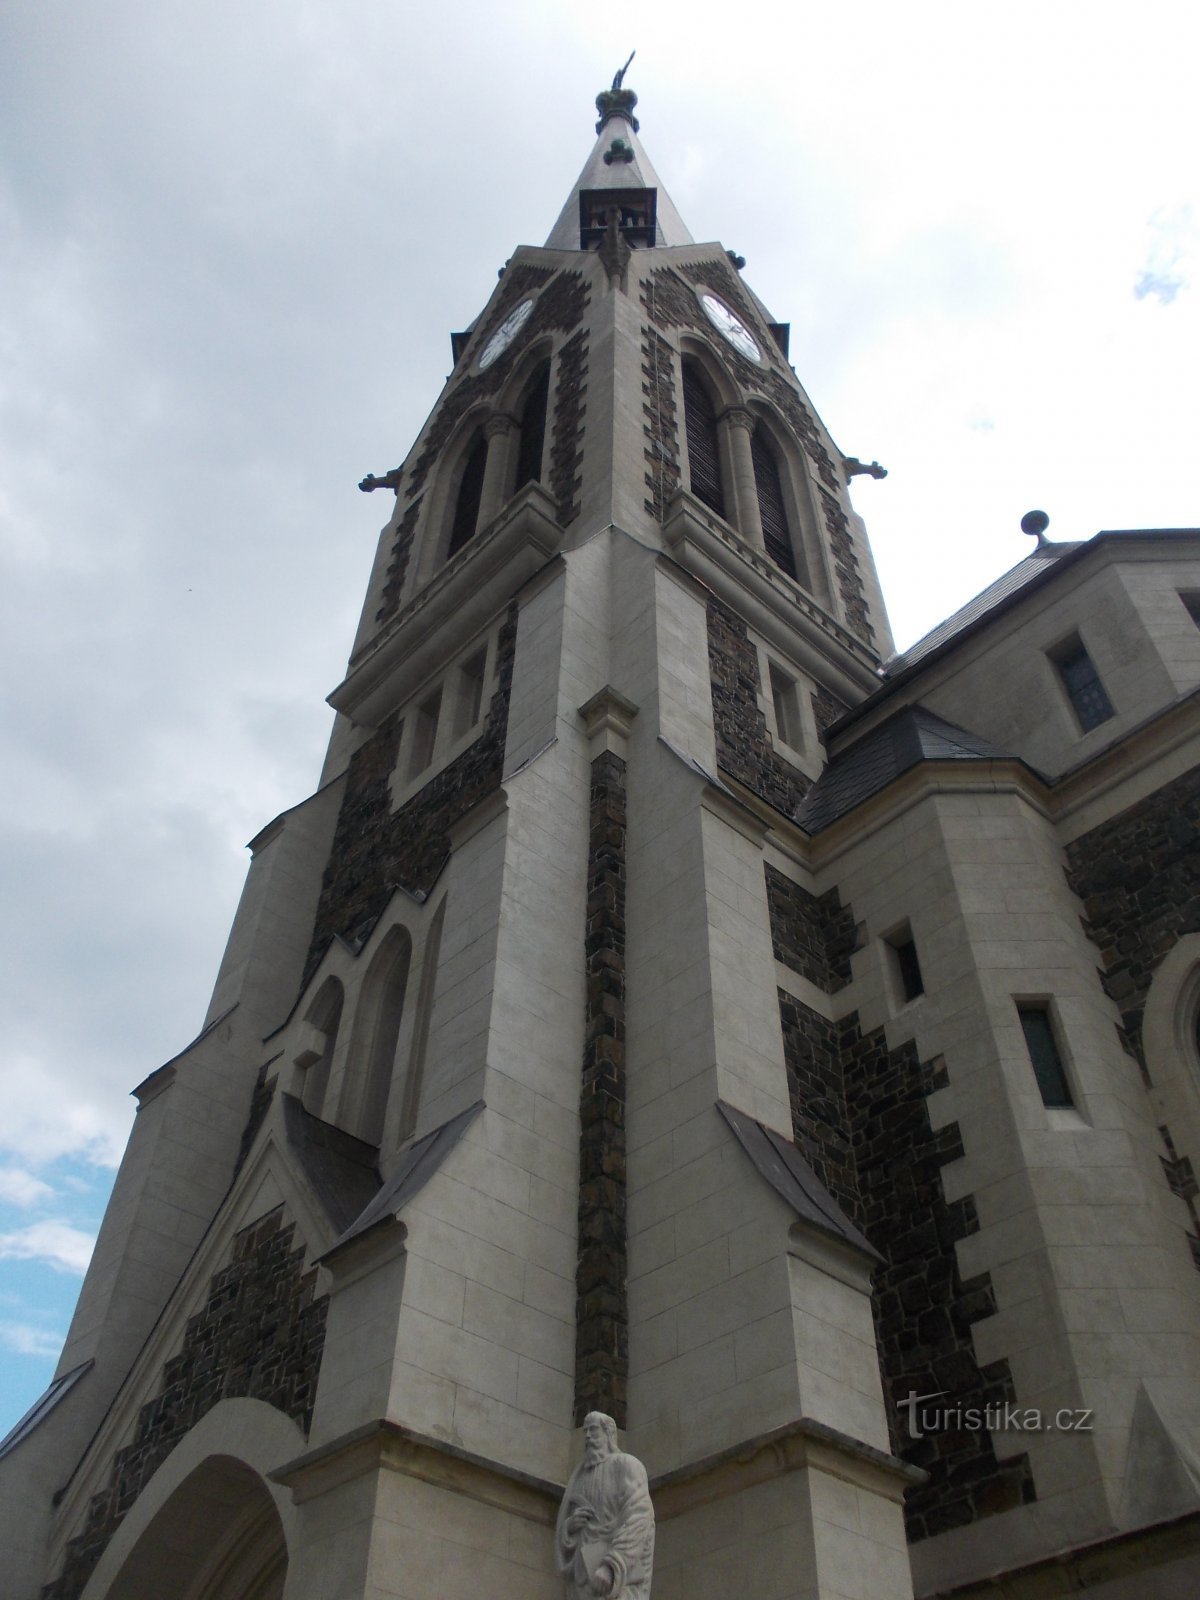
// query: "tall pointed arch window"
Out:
[772,508]
[533,429]
[700,426]
[470,492]
[324,1016]
[374,1066]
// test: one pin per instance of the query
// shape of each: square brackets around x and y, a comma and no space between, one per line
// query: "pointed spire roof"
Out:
[617,161]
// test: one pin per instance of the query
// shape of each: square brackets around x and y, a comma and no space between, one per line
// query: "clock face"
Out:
[730,327]
[505,334]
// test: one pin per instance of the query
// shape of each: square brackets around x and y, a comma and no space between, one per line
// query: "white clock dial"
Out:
[730,327]
[505,334]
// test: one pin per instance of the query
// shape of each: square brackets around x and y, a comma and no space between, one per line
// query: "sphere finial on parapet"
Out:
[617,101]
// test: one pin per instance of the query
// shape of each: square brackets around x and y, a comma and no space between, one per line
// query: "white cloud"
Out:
[57,1244]
[21,1188]
[26,1340]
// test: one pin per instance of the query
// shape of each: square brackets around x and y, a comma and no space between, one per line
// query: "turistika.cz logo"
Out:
[924,1418]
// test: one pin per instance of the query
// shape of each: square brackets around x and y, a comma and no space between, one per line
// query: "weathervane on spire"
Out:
[617,101]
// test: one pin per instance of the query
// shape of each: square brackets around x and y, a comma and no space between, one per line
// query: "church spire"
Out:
[620,165]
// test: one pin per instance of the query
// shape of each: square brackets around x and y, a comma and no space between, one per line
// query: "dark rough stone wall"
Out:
[661,426]
[815,936]
[670,304]
[860,1115]
[845,565]
[744,747]
[601,1309]
[559,307]
[377,851]
[827,708]
[397,571]
[259,1335]
[566,439]
[1138,876]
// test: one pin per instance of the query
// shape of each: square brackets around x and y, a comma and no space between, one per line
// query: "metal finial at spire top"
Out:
[619,78]
[617,101]
[1035,523]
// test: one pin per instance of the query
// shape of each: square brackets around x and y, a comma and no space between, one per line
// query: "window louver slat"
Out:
[700,422]
[533,430]
[770,505]
[470,492]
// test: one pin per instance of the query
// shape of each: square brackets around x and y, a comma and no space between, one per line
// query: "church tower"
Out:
[609,1031]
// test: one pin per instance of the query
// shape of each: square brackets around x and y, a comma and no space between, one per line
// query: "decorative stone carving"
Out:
[605,1534]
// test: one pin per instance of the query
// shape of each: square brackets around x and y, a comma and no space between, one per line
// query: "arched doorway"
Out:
[217,1537]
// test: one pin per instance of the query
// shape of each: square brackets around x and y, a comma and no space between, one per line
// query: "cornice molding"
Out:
[460,599]
[749,582]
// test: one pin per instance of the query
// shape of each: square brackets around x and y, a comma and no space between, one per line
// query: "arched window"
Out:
[772,508]
[470,491]
[371,1073]
[700,426]
[325,1015]
[533,429]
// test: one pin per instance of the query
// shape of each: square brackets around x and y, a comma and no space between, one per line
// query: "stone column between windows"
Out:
[737,425]
[499,431]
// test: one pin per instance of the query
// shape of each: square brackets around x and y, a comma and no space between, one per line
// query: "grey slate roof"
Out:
[1008,583]
[909,736]
[779,1161]
[416,1166]
[340,1168]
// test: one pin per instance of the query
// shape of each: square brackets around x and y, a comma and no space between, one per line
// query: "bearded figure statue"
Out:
[605,1533]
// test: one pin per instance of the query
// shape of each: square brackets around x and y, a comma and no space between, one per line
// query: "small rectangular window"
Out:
[786,704]
[910,969]
[469,704]
[905,963]
[424,733]
[1044,1055]
[1082,683]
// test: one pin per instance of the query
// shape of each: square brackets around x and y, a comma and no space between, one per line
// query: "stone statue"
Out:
[605,1533]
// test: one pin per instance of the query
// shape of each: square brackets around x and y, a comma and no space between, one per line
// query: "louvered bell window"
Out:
[470,492]
[700,423]
[770,504]
[533,429]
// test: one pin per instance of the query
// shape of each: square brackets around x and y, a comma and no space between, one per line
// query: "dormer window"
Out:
[637,216]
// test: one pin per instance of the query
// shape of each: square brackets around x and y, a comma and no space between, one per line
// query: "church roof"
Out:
[1008,583]
[617,161]
[910,736]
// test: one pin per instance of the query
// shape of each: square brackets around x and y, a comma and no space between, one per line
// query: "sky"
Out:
[234,240]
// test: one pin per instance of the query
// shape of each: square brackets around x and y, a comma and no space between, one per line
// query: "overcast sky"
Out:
[234,240]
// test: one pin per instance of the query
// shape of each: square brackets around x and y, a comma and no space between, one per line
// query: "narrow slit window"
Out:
[424,735]
[906,964]
[909,968]
[1080,679]
[469,707]
[785,702]
[1045,1057]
